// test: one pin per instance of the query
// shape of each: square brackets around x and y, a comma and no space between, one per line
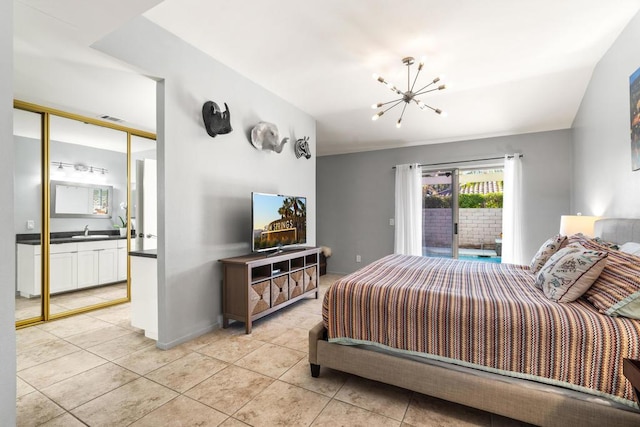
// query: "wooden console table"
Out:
[256,285]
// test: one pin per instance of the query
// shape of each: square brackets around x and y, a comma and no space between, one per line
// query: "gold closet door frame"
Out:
[46,113]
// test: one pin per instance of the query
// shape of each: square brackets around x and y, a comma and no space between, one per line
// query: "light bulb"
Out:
[374,106]
[375,76]
[399,123]
[377,116]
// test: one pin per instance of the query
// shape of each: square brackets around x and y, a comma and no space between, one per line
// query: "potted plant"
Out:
[123,222]
[122,226]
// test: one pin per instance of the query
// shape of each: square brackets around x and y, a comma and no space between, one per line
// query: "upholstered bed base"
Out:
[518,399]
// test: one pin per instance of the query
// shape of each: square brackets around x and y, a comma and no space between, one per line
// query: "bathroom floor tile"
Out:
[338,413]
[93,383]
[376,397]
[230,389]
[122,346]
[64,420]
[282,404]
[271,360]
[231,349]
[428,411]
[125,404]
[45,352]
[73,325]
[22,387]
[294,338]
[34,409]
[186,372]
[150,358]
[327,384]
[53,371]
[32,337]
[182,411]
[97,336]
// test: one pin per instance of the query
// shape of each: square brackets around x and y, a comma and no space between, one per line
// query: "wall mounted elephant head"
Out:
[216,122]
[265,136]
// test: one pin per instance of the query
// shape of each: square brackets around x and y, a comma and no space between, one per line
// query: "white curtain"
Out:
[512,211]
[408,213]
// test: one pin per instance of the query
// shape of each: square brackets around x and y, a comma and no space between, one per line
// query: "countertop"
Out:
[147,253]
[66,237]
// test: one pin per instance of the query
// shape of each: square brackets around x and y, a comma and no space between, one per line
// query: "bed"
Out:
[379,325]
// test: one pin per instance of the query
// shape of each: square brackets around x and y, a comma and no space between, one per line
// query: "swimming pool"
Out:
[494,259]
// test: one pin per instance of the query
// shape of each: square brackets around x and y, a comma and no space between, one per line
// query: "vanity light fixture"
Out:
[410,94]
[79,167]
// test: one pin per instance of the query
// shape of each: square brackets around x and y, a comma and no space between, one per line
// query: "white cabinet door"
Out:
[107,266]
[63,271]
[122,264]
[87,268]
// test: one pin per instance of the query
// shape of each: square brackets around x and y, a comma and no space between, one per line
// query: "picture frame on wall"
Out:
[634,98]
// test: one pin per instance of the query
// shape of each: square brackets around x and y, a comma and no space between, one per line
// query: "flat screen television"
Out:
[278,221]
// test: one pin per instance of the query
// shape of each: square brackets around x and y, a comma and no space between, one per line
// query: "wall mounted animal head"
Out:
[302,148]
[265,136]
[216,122]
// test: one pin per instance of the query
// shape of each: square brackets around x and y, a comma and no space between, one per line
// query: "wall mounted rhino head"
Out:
[216,122]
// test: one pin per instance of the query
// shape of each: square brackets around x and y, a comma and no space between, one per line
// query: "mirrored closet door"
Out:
[74,179]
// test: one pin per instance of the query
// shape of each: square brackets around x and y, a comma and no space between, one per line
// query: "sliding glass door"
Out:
[440,213]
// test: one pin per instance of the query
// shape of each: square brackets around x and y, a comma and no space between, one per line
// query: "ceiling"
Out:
[510,67]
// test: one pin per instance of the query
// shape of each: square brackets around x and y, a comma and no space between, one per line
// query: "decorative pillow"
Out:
[609,245]
[547,249]
[570,272]
[632,248]
[616,292]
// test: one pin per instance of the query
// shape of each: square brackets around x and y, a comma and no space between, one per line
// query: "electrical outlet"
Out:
[392,221]
[358,258]
[31,224]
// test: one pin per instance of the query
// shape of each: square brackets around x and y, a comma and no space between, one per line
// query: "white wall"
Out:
[204,183]
[356,191]
[7,238]
[603,183]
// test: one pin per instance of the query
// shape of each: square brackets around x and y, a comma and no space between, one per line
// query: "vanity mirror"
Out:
[77,200]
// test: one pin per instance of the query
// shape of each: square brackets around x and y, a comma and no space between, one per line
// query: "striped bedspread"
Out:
[484,315]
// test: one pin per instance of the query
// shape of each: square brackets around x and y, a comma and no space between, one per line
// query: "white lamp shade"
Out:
[573,224]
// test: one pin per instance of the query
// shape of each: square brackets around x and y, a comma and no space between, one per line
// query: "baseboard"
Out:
[189,337]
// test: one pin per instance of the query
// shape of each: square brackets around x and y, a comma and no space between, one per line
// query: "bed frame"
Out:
[519,399]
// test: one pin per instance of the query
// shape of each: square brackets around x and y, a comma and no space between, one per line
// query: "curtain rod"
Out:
[467,161]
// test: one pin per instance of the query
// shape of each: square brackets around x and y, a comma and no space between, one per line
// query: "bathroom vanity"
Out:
[76,262]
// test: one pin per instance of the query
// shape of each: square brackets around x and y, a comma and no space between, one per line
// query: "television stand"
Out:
[256,285]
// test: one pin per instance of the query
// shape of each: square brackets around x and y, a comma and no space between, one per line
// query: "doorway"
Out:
[73,229]
[462,213]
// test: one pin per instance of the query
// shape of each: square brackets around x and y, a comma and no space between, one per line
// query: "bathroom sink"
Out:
[91,236]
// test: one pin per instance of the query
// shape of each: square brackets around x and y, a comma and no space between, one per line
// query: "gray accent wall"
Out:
[7,245]
[603,183]
[204,183]
[356,191]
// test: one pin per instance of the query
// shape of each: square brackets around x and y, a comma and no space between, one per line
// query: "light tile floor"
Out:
[95,369]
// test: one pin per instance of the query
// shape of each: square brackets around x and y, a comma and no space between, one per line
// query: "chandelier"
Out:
[409,95]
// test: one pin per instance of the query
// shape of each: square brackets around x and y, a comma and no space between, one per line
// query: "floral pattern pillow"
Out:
[548,248]
[570,272]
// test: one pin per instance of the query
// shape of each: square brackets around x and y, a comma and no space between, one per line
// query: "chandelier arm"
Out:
[402,114]
[384,111]
[389,102]
[424,87]
[422,105]
[427,91]
[391,87]
[416,79]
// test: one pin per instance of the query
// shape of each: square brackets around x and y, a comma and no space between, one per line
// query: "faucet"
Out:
[86,230]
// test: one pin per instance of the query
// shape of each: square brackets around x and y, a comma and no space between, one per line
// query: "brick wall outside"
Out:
[476,227]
